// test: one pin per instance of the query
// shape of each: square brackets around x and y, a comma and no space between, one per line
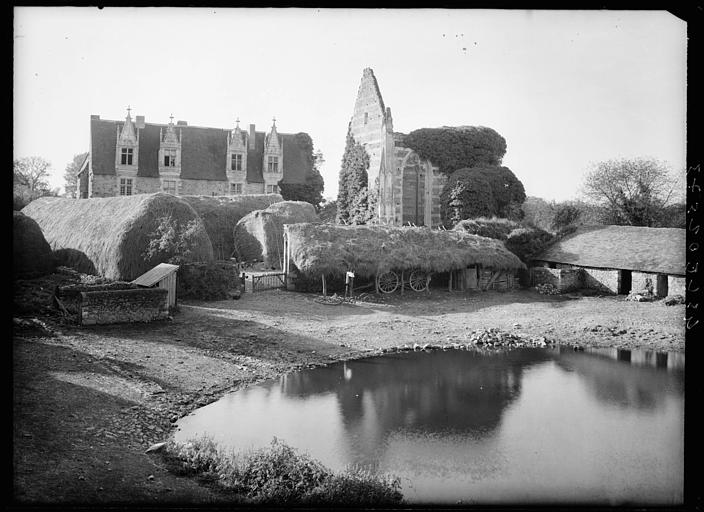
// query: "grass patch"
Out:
[278,474]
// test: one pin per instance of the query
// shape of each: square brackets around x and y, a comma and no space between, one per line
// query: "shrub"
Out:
[280,475]
[208,280]
[526,242]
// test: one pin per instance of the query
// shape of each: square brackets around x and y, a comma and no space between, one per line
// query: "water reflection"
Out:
[602,426]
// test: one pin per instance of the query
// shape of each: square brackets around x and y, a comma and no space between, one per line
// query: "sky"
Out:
[566,89]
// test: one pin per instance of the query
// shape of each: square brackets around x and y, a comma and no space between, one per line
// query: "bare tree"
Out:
[633,191]
[32,172]
[71,174]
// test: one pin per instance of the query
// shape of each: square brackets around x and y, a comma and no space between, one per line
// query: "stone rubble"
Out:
[547,289]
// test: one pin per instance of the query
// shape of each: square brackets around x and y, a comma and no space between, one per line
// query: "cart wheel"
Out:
[418,280]
[387,282]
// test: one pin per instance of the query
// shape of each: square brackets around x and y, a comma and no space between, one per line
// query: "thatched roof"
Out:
[31,253]
[368,250]
[657,250]
[259,235]
[111,236]
[220,215]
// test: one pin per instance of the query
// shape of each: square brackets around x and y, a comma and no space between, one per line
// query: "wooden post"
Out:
[449,285]
[427,284]
[325,291]
[402,287]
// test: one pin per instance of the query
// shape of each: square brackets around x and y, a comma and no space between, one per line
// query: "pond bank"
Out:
[89,401]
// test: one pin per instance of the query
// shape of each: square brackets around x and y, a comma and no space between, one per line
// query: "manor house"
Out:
[135,157]
[408,186]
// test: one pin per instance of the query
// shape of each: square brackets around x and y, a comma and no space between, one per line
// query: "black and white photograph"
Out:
[352,257]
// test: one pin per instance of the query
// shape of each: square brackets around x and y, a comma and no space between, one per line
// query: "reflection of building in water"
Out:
[641,384]
[669,360]
[463,392]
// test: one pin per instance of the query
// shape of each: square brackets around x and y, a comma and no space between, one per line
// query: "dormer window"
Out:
[273,164]
[366,118]
[126,155]
[236,164]
[169,158]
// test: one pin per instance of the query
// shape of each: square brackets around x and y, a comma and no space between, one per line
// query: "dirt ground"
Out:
[88,401]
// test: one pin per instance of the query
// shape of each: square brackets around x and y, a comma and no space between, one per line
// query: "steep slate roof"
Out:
[203,155]
[255,157]
[659,250]
[294,161]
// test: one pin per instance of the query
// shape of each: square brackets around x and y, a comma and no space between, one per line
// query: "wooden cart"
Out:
[388,282]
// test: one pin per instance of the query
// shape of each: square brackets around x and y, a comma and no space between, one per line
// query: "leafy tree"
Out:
[311,190]
[71,174]
[481,192]
[353,201]
[565,215]
[633,191]
[328,211]
[454,148]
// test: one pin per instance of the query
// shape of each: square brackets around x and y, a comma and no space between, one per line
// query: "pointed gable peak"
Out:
[128,135]
[272,139]
[170,136]
[236,136]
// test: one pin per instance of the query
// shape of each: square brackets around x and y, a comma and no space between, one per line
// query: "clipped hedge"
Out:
[456,147]
[217,280]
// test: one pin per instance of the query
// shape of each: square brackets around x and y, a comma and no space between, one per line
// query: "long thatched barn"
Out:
[259,235]
[617,260]
[371,251]
[220,215]
[121,237]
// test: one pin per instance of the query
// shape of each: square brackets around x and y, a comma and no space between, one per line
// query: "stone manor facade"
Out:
[408,186]
[135,157]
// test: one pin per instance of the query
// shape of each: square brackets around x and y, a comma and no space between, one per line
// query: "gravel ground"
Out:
[87,402]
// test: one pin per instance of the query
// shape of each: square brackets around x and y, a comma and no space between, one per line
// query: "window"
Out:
[126,186]
[126,156]
[366,118]
[236,162]
[273,164]
[235,188]
[169,186]
[272,189]
[169,158]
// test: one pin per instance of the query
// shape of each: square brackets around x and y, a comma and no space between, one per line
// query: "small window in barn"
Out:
[169,158]
[126,156]
[235,188]
[366,118]
[125,186]
[273,164]
[272,189]
[236,162]
[169,187]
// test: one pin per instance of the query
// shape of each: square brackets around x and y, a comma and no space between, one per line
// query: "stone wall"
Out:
[564,279]
[146,185]
[368,121]
[102,185]
[83,186]
[606,281]
[254,188]
[204,188]
[123,306]
[676,285]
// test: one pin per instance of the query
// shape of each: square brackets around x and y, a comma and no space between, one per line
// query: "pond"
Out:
[603,426]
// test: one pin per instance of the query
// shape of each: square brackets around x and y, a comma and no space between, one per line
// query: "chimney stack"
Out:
[181,123]
[94,117]
[251,136]
[140,122]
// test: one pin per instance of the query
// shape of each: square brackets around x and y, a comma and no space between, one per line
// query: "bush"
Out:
[453,148]
[490,227]
[526,242]
[280,475]
[208,280]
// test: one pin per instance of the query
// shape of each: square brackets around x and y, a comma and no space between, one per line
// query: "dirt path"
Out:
[89,401]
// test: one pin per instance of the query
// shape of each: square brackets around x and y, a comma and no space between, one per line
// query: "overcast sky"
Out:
[564,88]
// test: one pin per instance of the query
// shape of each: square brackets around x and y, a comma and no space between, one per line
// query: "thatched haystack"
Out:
[220,215]
[122,237]
[31,253]
[259,236]
[325,249]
